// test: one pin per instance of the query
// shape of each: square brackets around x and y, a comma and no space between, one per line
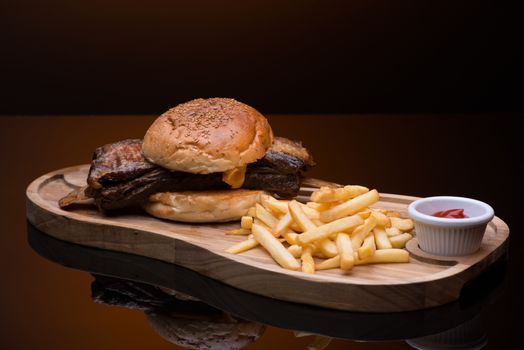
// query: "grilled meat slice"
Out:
[117,162]
[136,191]
[283,185]
[121,177]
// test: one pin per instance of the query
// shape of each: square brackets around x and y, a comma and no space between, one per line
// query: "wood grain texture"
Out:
[426,281]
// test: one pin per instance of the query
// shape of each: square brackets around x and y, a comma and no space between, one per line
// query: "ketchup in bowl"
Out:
[450,214]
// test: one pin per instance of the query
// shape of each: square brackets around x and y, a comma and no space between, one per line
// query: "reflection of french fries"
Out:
[275,248]
[337,227]
[324,231]
[319,343]
[350,207]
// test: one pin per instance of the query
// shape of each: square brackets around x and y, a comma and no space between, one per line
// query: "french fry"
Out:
[331,263]
[350,207]
[381,238]
[337,226]
[242,246]
[345,251]
[318,206]
[275,248]
[364,214]
[382,219]
[404,225]
[308,264]
[295,250]
[284,222]
[264,201]
[275,205]
[393,214]
[300,217]
[317,222]
[360,233]
[368,247]
[281,206]
[246,222]
[392,231]
[318,254]
[384,256]
[310,212]
[239,231]
[324,231]
[290,237]
[327,247]
[265,216]
[399,241]
[260,222]
[294,226]
[330,194]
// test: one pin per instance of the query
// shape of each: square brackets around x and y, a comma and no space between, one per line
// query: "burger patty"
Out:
[121,177]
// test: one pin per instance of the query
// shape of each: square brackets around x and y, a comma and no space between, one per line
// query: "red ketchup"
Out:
[450,214]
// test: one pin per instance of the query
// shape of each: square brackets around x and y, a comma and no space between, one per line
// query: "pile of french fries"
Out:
[337,228]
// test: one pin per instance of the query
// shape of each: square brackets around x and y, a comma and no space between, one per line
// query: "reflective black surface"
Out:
[455,324]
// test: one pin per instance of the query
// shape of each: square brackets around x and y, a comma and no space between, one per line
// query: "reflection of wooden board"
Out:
[424,282]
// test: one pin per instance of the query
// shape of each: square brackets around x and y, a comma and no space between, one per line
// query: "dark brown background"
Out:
[95,58]
[115,56]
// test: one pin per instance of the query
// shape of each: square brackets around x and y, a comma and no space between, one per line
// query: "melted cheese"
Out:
[234,177]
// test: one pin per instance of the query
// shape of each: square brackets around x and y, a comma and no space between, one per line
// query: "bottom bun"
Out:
[202,206]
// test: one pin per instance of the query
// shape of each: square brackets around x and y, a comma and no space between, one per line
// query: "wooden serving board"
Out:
[426,281]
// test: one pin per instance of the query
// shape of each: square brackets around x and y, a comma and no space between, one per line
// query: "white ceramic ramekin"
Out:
[445,236]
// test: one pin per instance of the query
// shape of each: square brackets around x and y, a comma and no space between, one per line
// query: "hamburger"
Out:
[206,160]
